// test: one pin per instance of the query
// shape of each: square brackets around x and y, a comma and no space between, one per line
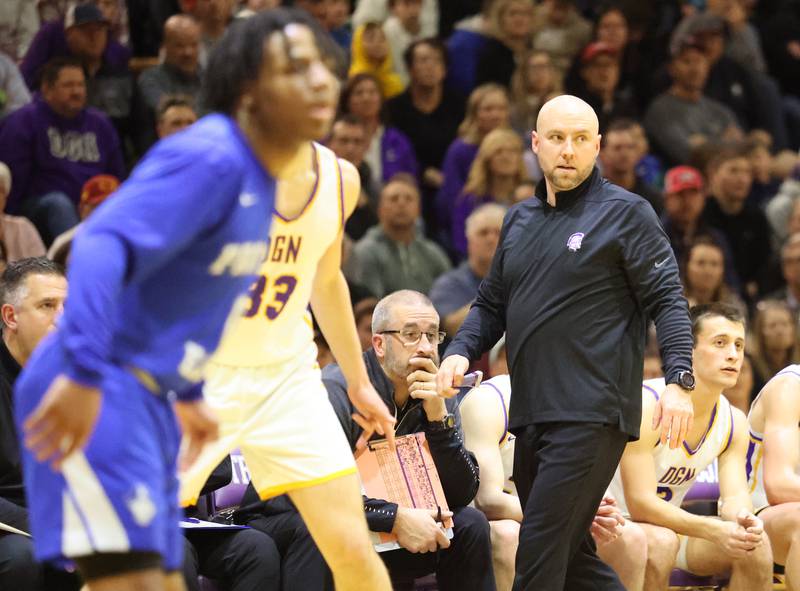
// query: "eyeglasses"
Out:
[412,336]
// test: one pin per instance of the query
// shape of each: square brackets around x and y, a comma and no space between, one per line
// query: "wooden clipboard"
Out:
[407,477]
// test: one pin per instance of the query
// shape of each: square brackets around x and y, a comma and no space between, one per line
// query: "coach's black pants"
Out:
[465,566]
[561,471]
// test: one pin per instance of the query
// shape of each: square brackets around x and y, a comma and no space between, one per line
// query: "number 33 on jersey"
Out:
[275,325]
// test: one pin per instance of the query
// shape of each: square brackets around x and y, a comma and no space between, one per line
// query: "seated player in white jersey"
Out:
[652,479]
[484,417]
[773,466]
[264,382]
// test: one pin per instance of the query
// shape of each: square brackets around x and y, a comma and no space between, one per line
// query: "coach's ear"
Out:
[379,345]
[9,315]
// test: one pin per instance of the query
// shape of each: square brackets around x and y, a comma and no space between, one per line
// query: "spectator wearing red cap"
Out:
[684,202]
[93,193]
[599,86]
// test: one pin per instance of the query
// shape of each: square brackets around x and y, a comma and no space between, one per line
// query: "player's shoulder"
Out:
[739,428]
[489,394]
[782,392]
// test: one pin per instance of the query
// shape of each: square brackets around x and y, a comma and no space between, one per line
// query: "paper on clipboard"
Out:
[407,477]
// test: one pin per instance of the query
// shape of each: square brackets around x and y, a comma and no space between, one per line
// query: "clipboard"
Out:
[407,477]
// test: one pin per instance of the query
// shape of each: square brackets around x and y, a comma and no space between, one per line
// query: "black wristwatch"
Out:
[447,423]
[685,380]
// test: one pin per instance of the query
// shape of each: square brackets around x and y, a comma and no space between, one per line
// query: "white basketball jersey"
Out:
[755,453]
[677,469]
[276,325]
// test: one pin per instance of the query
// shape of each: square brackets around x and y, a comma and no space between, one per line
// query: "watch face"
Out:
[686,380]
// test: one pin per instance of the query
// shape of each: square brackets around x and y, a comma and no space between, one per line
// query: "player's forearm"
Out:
[499,506]
[659,512]
[334,314]
[97,272]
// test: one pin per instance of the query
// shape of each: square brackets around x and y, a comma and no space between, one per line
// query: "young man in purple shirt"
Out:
[53,146]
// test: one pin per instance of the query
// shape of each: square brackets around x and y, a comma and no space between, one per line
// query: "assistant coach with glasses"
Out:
[579,269]
[402,368]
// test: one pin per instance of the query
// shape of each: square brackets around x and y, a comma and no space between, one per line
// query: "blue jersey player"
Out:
[153,277]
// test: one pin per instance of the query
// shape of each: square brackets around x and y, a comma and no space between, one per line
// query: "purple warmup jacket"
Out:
[51,42]
[47,152]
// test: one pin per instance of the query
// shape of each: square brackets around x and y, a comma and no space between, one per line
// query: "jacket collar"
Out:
[566,199]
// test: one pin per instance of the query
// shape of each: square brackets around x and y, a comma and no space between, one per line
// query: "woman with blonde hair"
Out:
[487,109]
[773,340]
[496,172]
[535,81]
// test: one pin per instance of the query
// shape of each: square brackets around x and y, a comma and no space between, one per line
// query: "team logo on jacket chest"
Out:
[574,242]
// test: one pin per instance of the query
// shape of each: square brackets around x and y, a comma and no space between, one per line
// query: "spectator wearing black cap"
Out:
[84,34]
[752,95]
[683,116]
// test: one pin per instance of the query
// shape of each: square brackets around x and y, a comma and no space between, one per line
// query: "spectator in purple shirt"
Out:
[55,144]
[494,176]
[389,150]
[487,109]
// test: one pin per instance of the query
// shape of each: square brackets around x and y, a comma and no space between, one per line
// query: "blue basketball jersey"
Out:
[180,240]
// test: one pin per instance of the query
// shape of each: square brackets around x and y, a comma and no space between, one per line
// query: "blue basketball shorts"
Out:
[120,493]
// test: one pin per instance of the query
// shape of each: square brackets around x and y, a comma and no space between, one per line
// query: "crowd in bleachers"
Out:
[698,103]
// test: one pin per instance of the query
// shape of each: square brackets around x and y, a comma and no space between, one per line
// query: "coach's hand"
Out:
[675,413]
[417,530]
[422,386]
[63,421]
[199,427]
[373,414]
[451,375]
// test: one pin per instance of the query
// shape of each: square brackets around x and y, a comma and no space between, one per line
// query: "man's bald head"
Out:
[566,142]
[182,43]
[563,106]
